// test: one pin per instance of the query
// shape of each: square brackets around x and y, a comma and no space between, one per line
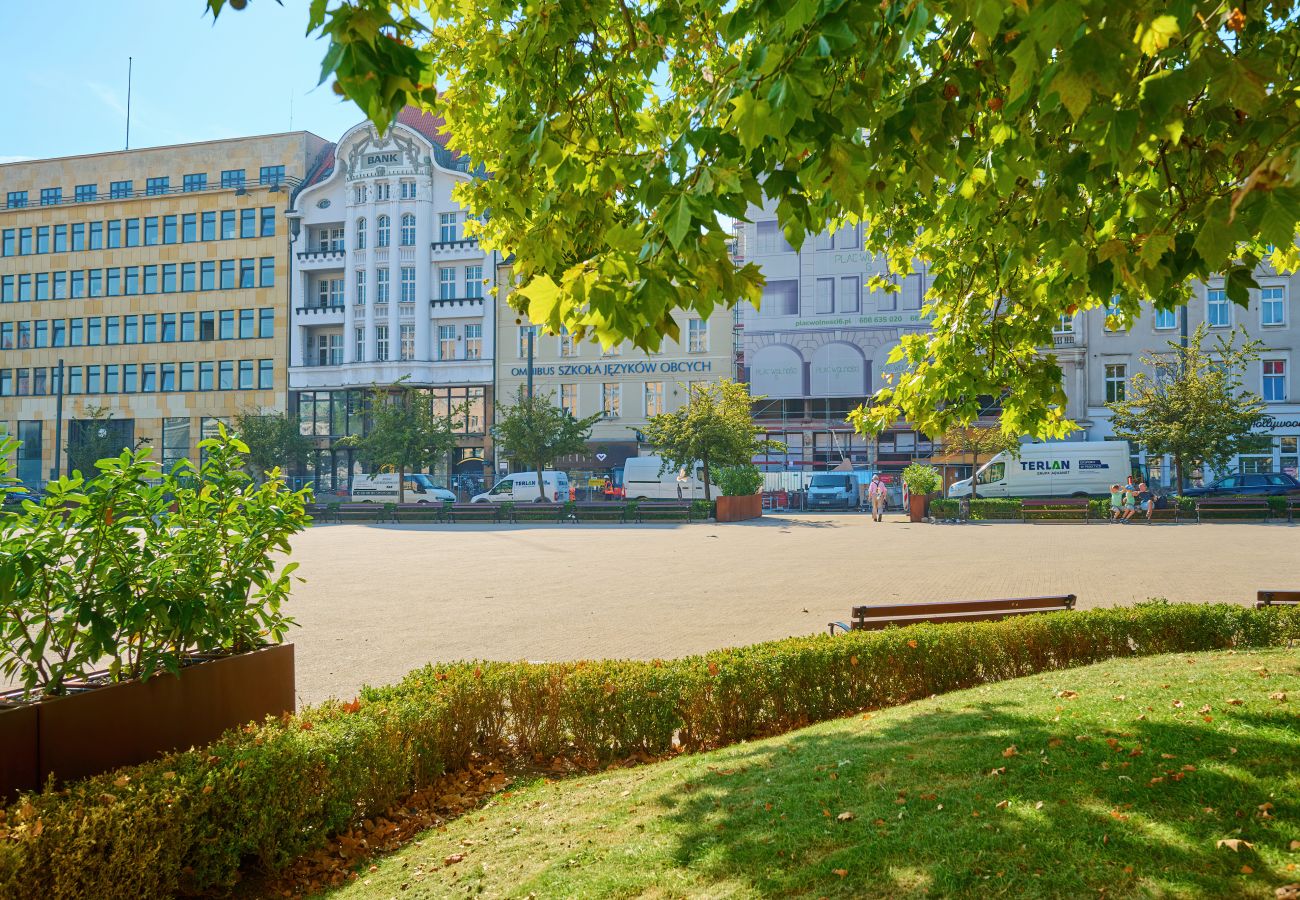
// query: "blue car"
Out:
[1257,484]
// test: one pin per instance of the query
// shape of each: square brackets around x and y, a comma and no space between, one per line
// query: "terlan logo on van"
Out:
[1045,465]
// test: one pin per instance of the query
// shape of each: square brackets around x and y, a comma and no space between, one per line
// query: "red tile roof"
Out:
[323,167]
[427,124]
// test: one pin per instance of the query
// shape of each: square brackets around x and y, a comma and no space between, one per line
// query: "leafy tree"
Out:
[1192,405]
[978,440]
[404,432]
[535,432]
[713,427]
[274,440]
[1038,158]
[91,438]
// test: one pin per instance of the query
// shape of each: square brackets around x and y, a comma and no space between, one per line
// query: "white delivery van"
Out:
[382,488]
[647,478]
[1061,469]
[521,487]
[835,490]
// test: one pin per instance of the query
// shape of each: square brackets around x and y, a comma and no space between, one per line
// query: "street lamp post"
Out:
[58,422]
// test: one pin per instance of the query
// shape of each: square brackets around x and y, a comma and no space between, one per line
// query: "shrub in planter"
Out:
[739,481]
[921,479]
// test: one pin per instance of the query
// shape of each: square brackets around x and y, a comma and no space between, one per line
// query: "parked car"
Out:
[1259,484]
[21,493]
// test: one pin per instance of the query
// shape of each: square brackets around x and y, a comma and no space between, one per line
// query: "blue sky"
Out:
[64,68]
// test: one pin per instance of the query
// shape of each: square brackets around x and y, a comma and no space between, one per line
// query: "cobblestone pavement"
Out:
[383,599]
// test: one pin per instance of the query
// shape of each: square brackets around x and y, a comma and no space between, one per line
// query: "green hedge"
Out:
[1098,508]
[265,794]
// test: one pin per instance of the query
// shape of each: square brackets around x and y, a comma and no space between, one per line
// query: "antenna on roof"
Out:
[129,62]
[291,110]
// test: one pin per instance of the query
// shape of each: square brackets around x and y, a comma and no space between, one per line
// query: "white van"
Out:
[382,488]
[835,490]
[1061,469]
[647,478]
[521,487]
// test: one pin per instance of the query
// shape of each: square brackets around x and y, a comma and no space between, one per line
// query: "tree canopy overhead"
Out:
[1039,157]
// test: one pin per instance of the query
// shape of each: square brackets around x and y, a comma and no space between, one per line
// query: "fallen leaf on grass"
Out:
[1233,701]
[1295,845]
[845,816]
[1247,870]
[1038,805]
[1067,695]
[1278,695]
[1205,709]
[452,859]
[1055,742]
[840,872]
[1001,770]
[1234,844]
[1178,704]
[1010,751]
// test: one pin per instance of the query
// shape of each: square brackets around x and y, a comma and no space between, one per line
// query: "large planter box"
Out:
[916,507]
[737,509]
[93,731]
[19,767]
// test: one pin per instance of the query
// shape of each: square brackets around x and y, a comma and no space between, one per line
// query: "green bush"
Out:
[267,793]
[922,479]
[738,481]
[701,509]
[135,568]
[1000,508]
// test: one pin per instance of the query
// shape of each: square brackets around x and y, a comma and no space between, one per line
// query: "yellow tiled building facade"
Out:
[159,277]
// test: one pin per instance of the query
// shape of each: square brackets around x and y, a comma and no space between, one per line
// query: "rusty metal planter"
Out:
[98,729]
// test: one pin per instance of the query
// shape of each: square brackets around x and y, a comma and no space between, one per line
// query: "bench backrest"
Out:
[1064,503]
[1260,502]
[879,615]
[1277,598]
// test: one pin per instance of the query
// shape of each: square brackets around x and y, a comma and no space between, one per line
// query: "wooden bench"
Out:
[1056,509]
[1292,507]
[337,512]
[1233,506]
[644,509]
[1277,598]
[435,511]
[592,510]
[874,618]
[498,513]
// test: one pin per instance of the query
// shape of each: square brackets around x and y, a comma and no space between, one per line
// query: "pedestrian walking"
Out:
[876,493]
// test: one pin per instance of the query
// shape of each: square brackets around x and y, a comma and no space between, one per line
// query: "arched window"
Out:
[361,234]
[381,231]
[408,230]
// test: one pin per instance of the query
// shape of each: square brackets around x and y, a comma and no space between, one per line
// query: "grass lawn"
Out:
[1113,780]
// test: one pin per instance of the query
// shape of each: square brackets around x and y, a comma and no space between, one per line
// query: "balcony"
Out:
[457,306]
[467,247]
[406,310]
[316,260]
[319,315]
[1063,339]
[406,254]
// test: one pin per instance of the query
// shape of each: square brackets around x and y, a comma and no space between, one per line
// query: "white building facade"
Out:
[387,286]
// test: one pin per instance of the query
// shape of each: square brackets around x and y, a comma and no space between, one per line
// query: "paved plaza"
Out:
[380,600]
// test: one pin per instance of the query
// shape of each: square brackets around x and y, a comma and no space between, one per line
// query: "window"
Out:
[446,283]
[446,227]
[131,280]
[266,371]
[60,285]
[850,294]
[149,329]
[96,235]
[42,334]
[381,343]
[381,191]
[175,436]
[92,379]
[157,185]
[329,293]
[195,182]
[60,238]
[130,375]
[1275,380]
[130,329]
[1114,315]
[84,193]
[266,324]
[247,273]
[360,194]
[568,346]
[780,298]
[227,274]
[94,329]
[24,241]
[569,399]
[524,332]
[24,335]
[120,189]
[1217,313]
[169,229]
[51,196]
[209,232]
[266,272]
[10,244]
[408,190]
[268,224]
[79,236]
[43,239]
[150,230]
[208,275]
[248,223]
[381,231]
[226,375]
[381,286]
[112,330]
[150,279]
[406,342]
[110,379]
[227,224]
[16,199]
[169,277]
[473,281]
[360,346]
[361,234]
[1166,319]
[187,376]
[654,398]
[1272,305]
[407,286]
[771,240]
[187,329]
[271,175]
[148,378]
[74,380]
[232,178]
[611,400]
[246,375]
[474,341]
[1116,383]
[207,326]
[697,331]
[408,230]
[247,324]
[446,342]
[361,287]
[58,333]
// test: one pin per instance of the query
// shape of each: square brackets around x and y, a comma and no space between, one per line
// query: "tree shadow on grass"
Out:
[1135,810]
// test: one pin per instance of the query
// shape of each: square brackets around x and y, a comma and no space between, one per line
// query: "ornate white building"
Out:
[386,286]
